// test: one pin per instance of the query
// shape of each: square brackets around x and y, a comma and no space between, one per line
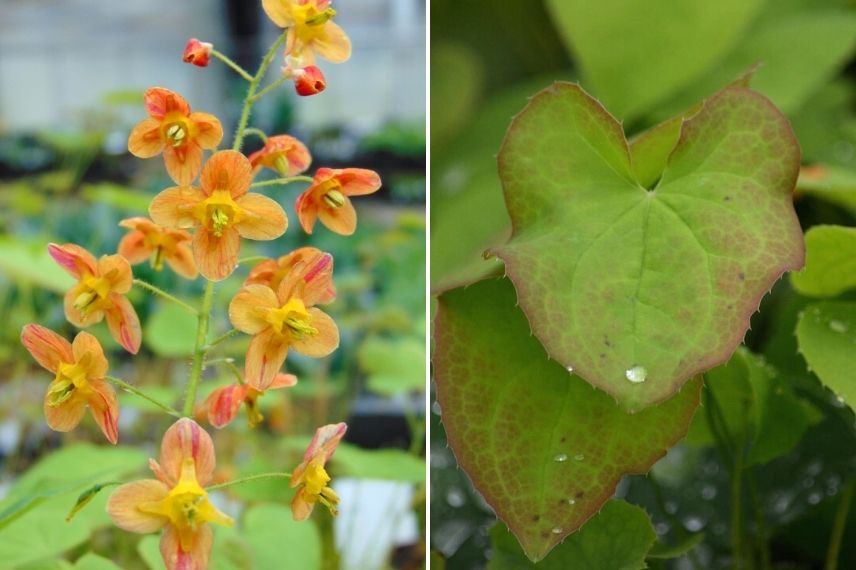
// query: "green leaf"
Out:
[616,538]
[456,83]
[634,62]
[666,552]
[826,335]
[30,263]
[91,561]
[280,542]
[394,365]
[353,461]
[170,331]
[641,290]
[544,449]
[830,262]
[832,184]
[117,196]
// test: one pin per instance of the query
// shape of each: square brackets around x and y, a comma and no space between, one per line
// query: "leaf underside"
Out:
[615,278]
[543,447]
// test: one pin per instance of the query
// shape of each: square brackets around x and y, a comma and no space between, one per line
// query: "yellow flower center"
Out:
[187,506]
[94,289]
[254,414]
[334,199]
[315,480]
[309,15]
[218,212]
[281,164]
[69,376]
[292,319]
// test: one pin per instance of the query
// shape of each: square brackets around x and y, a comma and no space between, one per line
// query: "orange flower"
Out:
[282,319]
[284,154]
[222,211]
[309,81]
[223,404]
[176,132]
[147,240]
[327,198]
[311,476]
[100,293]
[80,368]
[176,501]
[311,30]
[198,53]
[311,265]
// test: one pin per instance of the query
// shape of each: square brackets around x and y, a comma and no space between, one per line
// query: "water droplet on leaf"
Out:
[579,456]
[557,530]
[837,326]
[561,457]
[637,374]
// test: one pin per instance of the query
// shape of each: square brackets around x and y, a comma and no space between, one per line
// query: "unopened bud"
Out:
[310,82]
[198,53]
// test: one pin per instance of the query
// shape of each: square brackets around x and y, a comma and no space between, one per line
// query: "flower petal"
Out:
[216,257]
[105,408]
[223,404]
[300,507]
[123,506]
[283,380]
[65,416]
[206,130]
[325,441]
[182,440]
[88,353]
[227,170]
[182,261]
[342,220]
[74,315]
[323,343]
[48,348]
[307,210]
[159,101]
[310,277]
[74,259]
[333,44]
[263,273]
[248,308]
[174,206]
[117,271]
[146,139]
[265,356]
[265,219]
[196,558]
[358,181]
[183,163]
[133,247]
[124,323]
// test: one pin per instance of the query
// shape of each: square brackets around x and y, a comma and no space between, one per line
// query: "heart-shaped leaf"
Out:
[830,262]
[641,290]
[544,448]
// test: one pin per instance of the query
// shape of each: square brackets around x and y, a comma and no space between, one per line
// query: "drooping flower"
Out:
[176,501]
[222,211]
[80,368]
[223,404]
[308,80]
[327,198]
[284,318]
[309,264]
[149,241]
[311,30]
[172,129]
[198,53]
[100,293]
[311,477]
[283,154]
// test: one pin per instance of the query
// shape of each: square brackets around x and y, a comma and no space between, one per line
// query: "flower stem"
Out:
[128,388]
[237,68]
[251,91]
[199,349]
[161,293]
[230,364]
[240,480]
[839,524]
[252,259]
[281,181]
[279,81]
[222,338]
[258,132]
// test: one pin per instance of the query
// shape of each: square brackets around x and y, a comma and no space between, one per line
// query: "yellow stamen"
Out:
[334,199]
[218,212]
[321,18]
[157,259]
[315,480]
[176,133]
[254,414]
[69,377]
[281,165]
[94,290]
[292,318]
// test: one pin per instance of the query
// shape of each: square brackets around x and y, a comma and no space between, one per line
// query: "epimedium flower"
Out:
[310,476]
[175,131]
[311,30]
[309,264]
[327,198]
[283,154]
[100,293]
[222,211]
[309,81]
[79,368]
[284,318]
[222,404]
[176,501]
[198,53]
[149,241]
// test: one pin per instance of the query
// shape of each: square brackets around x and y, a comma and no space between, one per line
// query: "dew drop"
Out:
[561,458]
[579,456]
[637,374]
[837,326]
[557,530]
[455,498]
[570,369]
[572,501]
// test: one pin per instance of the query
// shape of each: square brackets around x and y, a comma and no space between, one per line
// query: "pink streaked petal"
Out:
[159,101]
[105,409]
[229,171]
[124,502]
[124,323]
[283,380]
[48,348]
[185,438]
[265,356]
[216,257]
[74,259]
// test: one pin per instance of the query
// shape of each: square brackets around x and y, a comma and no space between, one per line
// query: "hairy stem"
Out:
[258,132]
[281,181]
[199,349]
[222,338]
[161,293]
[251,91]
[129,388]
[281,475]
[279,81]
[839,524]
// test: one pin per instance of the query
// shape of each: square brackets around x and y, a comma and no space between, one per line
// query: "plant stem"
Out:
[237,68]
[240,480]
[222,338]
[839,524]
[161,293]
[760,523]
[252,259]
[199,349]
[279,81]
[128,388]
[251,91]
[230,364]
[281,181]
[258,132]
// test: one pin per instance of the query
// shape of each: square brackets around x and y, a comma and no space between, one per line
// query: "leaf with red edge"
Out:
[544,448]
[640,290]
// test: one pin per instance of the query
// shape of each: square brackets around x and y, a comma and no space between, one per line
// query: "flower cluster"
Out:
[195,228]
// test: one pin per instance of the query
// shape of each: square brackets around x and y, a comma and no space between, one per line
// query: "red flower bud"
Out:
[198,53]
[309,81]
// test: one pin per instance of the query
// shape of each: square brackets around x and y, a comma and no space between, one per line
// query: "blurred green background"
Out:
[72,78]
[648,60]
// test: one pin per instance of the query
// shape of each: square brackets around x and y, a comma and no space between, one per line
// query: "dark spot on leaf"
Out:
[579,494]
[606,341]
[727,199]
[536,518]
[741,276]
